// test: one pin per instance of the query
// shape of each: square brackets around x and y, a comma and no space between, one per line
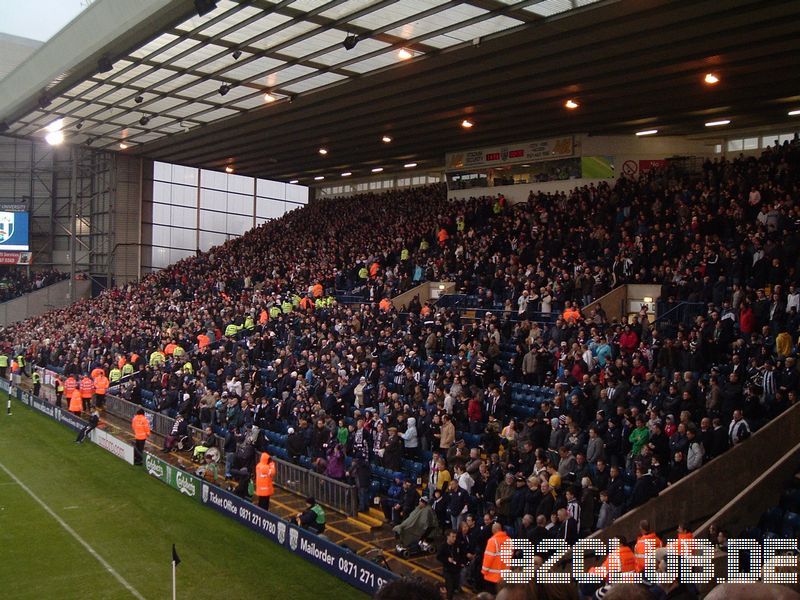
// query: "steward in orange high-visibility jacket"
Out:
[76,402]
[87,391]
[493,564]
[265,475]
[101,384]
[640,549]
[141,430]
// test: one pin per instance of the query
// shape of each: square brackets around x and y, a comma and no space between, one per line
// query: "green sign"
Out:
[174,477]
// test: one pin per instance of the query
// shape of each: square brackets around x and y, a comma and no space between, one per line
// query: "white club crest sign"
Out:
[281,532]
[205,493]
[293,536]
[6,226]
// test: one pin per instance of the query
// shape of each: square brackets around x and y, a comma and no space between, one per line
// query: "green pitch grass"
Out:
[131,520]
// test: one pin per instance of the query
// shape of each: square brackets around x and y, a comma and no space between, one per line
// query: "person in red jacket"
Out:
[747,319]
[628,340]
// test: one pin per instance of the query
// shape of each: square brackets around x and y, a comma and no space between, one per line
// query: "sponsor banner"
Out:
[646,166]
[41,405]
[344,564]
[184,482]
[15,258]
[24,397]
[549,149]
[115,446]
[70,420]
[5,385]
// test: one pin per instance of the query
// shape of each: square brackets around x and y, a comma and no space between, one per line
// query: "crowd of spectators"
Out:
[15,281]
[247,338]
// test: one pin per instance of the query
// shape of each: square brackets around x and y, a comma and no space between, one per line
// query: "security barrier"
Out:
[340,562]
[333,494]
[328,492]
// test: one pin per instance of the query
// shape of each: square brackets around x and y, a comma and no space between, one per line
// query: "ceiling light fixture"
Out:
[294,181]
[144,120]
[79,125]
[647,132]
[793,113]
[711,78]
[323,151]
[56,125]
[718,123]
[410,165]
[224,89]
[139,99]
[405,54]
[104,65]
[386,139]
[44,101]
[54,138]
[123,146]
[571,104]
[466,123]
[268,97]
[319,177]
[377,169]
[346,174]
[229,169]
[236,54]
[350,41]
[203,7]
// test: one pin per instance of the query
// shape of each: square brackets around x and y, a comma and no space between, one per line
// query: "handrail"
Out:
[679,306]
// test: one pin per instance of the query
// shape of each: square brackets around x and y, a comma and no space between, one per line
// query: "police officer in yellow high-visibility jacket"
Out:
[3,364]
[58,384]
[157,358]
[115,375]
[36,378]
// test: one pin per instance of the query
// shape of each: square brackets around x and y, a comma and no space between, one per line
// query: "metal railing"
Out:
[333,494]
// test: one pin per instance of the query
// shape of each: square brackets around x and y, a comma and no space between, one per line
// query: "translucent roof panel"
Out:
[286,47]
[376,62]
[314,82]
[284,34]
[395,12]
[248,32]
[253,68]
[470,32]
[347,8]
[319,41]
[341,55]
[548,8]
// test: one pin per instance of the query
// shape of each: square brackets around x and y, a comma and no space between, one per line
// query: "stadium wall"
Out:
[39,302]
[343,563]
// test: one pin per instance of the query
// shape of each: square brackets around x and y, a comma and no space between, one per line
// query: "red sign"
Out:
[493,156]
[15,258]
[649,165]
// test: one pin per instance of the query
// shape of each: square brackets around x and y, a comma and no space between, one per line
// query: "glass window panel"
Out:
[213,199]
[268,208]
[750,143]
[266,188]
[184,217]
[240,184]
[209,239]
[213,180]
[315,82]
[734,145]
[161,214]
[297,193]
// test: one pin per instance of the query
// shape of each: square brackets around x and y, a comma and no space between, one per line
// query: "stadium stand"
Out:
[16,282]
[529,405]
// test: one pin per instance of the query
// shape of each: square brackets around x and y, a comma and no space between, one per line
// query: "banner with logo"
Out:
[340,562]
[184,482]
[117,447]
[15,258]
[549,149]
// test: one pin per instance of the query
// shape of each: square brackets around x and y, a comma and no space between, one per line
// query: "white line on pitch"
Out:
[74,534]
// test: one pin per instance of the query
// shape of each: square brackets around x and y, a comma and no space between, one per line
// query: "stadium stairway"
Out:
[366,535]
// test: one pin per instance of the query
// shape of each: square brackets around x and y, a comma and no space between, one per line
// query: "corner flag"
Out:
[175,558]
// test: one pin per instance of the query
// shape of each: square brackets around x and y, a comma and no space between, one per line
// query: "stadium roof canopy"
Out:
[192,89]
